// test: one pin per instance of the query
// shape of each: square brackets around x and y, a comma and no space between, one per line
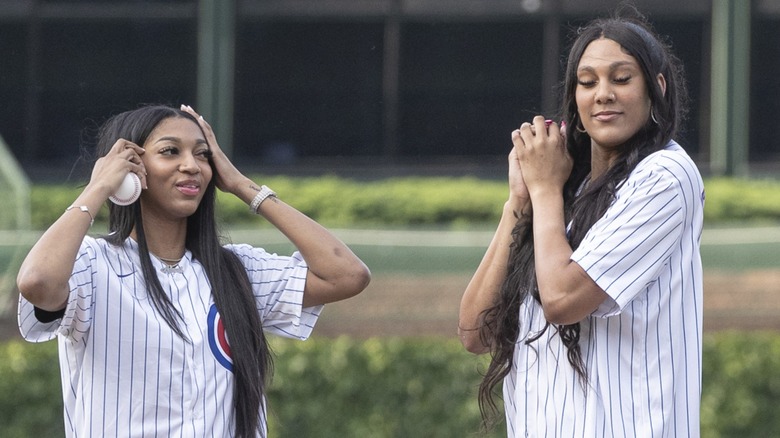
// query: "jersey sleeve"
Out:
[278,283]
[626,249]
[75,320]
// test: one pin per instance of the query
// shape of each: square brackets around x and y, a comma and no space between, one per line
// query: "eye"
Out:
[205,154]
[622,79]
[169,150]
[586,82]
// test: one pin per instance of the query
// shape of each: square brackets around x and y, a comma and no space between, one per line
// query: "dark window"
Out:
[466,86]
[13,85]
[90,70]
[308,90]
[764,89]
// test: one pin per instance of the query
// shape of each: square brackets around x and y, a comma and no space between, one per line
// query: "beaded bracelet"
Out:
[261,196]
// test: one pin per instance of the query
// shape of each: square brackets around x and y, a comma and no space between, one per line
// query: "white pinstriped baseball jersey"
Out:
[126,373]
[642,347]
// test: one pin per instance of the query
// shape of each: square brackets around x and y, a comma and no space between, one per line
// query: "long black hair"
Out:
[583,206]
[230,286]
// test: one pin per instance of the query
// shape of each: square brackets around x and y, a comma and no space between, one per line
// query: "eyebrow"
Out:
[612,67]
[178,140]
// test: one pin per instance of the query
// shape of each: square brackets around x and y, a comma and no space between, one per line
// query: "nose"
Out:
[189,164]
[604,93]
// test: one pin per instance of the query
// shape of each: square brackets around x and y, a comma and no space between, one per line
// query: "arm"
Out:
[335,272]
[483,289]
[567,293]
[43,276]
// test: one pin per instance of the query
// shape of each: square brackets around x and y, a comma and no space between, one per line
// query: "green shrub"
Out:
[742,199]
[393,387]
[387,387]
[421,201]
[336,201]
[395,201]
[741,395]
[30,390]
[48,202]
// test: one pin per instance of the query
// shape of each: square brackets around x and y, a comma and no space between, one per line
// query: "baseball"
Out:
[128,191]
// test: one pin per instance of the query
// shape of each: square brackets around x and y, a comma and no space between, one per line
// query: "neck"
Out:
[600,161]
[165,240]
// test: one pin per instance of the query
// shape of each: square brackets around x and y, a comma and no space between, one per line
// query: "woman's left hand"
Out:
[544,160]
[228,177]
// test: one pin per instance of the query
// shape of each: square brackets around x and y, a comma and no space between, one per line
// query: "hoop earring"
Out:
[577,127]
[652,116]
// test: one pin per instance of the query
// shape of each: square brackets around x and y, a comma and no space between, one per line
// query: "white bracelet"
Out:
[261,196]
[85,209]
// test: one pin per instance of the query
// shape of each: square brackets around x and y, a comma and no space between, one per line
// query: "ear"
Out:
[661,83]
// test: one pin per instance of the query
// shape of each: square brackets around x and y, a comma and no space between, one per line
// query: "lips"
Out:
[189,188]
[606,116]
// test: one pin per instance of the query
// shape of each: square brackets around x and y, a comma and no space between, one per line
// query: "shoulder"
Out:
[669,167]
[671,160]
[93,247]
[243,250]
[252,256]
[667,179]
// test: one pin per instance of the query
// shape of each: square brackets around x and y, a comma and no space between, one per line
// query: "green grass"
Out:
[741,257]
[409,260]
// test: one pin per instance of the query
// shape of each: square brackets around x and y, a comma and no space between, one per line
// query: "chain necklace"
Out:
[169,262]
[171,265]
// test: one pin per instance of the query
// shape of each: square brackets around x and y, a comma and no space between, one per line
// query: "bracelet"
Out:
[261,196]
[85,209]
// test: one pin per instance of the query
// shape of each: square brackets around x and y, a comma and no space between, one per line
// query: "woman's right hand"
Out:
[519,198]
[110,170]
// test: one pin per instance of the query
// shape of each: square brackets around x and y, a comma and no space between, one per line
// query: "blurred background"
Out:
[389,121]
[374,85]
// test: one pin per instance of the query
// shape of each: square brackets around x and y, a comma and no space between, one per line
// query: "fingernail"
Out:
[201,117]
[183,107]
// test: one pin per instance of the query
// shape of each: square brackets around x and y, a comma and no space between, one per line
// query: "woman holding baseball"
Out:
[589,298]
[161,326]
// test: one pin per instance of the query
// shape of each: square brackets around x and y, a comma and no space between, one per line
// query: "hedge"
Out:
[422,201]
[404,387]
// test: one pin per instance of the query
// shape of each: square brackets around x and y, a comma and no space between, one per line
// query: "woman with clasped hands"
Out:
[589,297]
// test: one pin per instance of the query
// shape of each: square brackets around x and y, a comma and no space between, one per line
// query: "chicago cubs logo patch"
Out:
[218,341]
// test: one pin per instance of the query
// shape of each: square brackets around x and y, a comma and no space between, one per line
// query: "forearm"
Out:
[44,273]
[567,293]
[484,287]
[552,252]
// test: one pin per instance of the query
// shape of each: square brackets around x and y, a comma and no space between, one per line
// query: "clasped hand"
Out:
[539,161]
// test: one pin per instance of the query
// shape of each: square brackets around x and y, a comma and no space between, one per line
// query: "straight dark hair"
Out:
[230,286]
[582,206]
